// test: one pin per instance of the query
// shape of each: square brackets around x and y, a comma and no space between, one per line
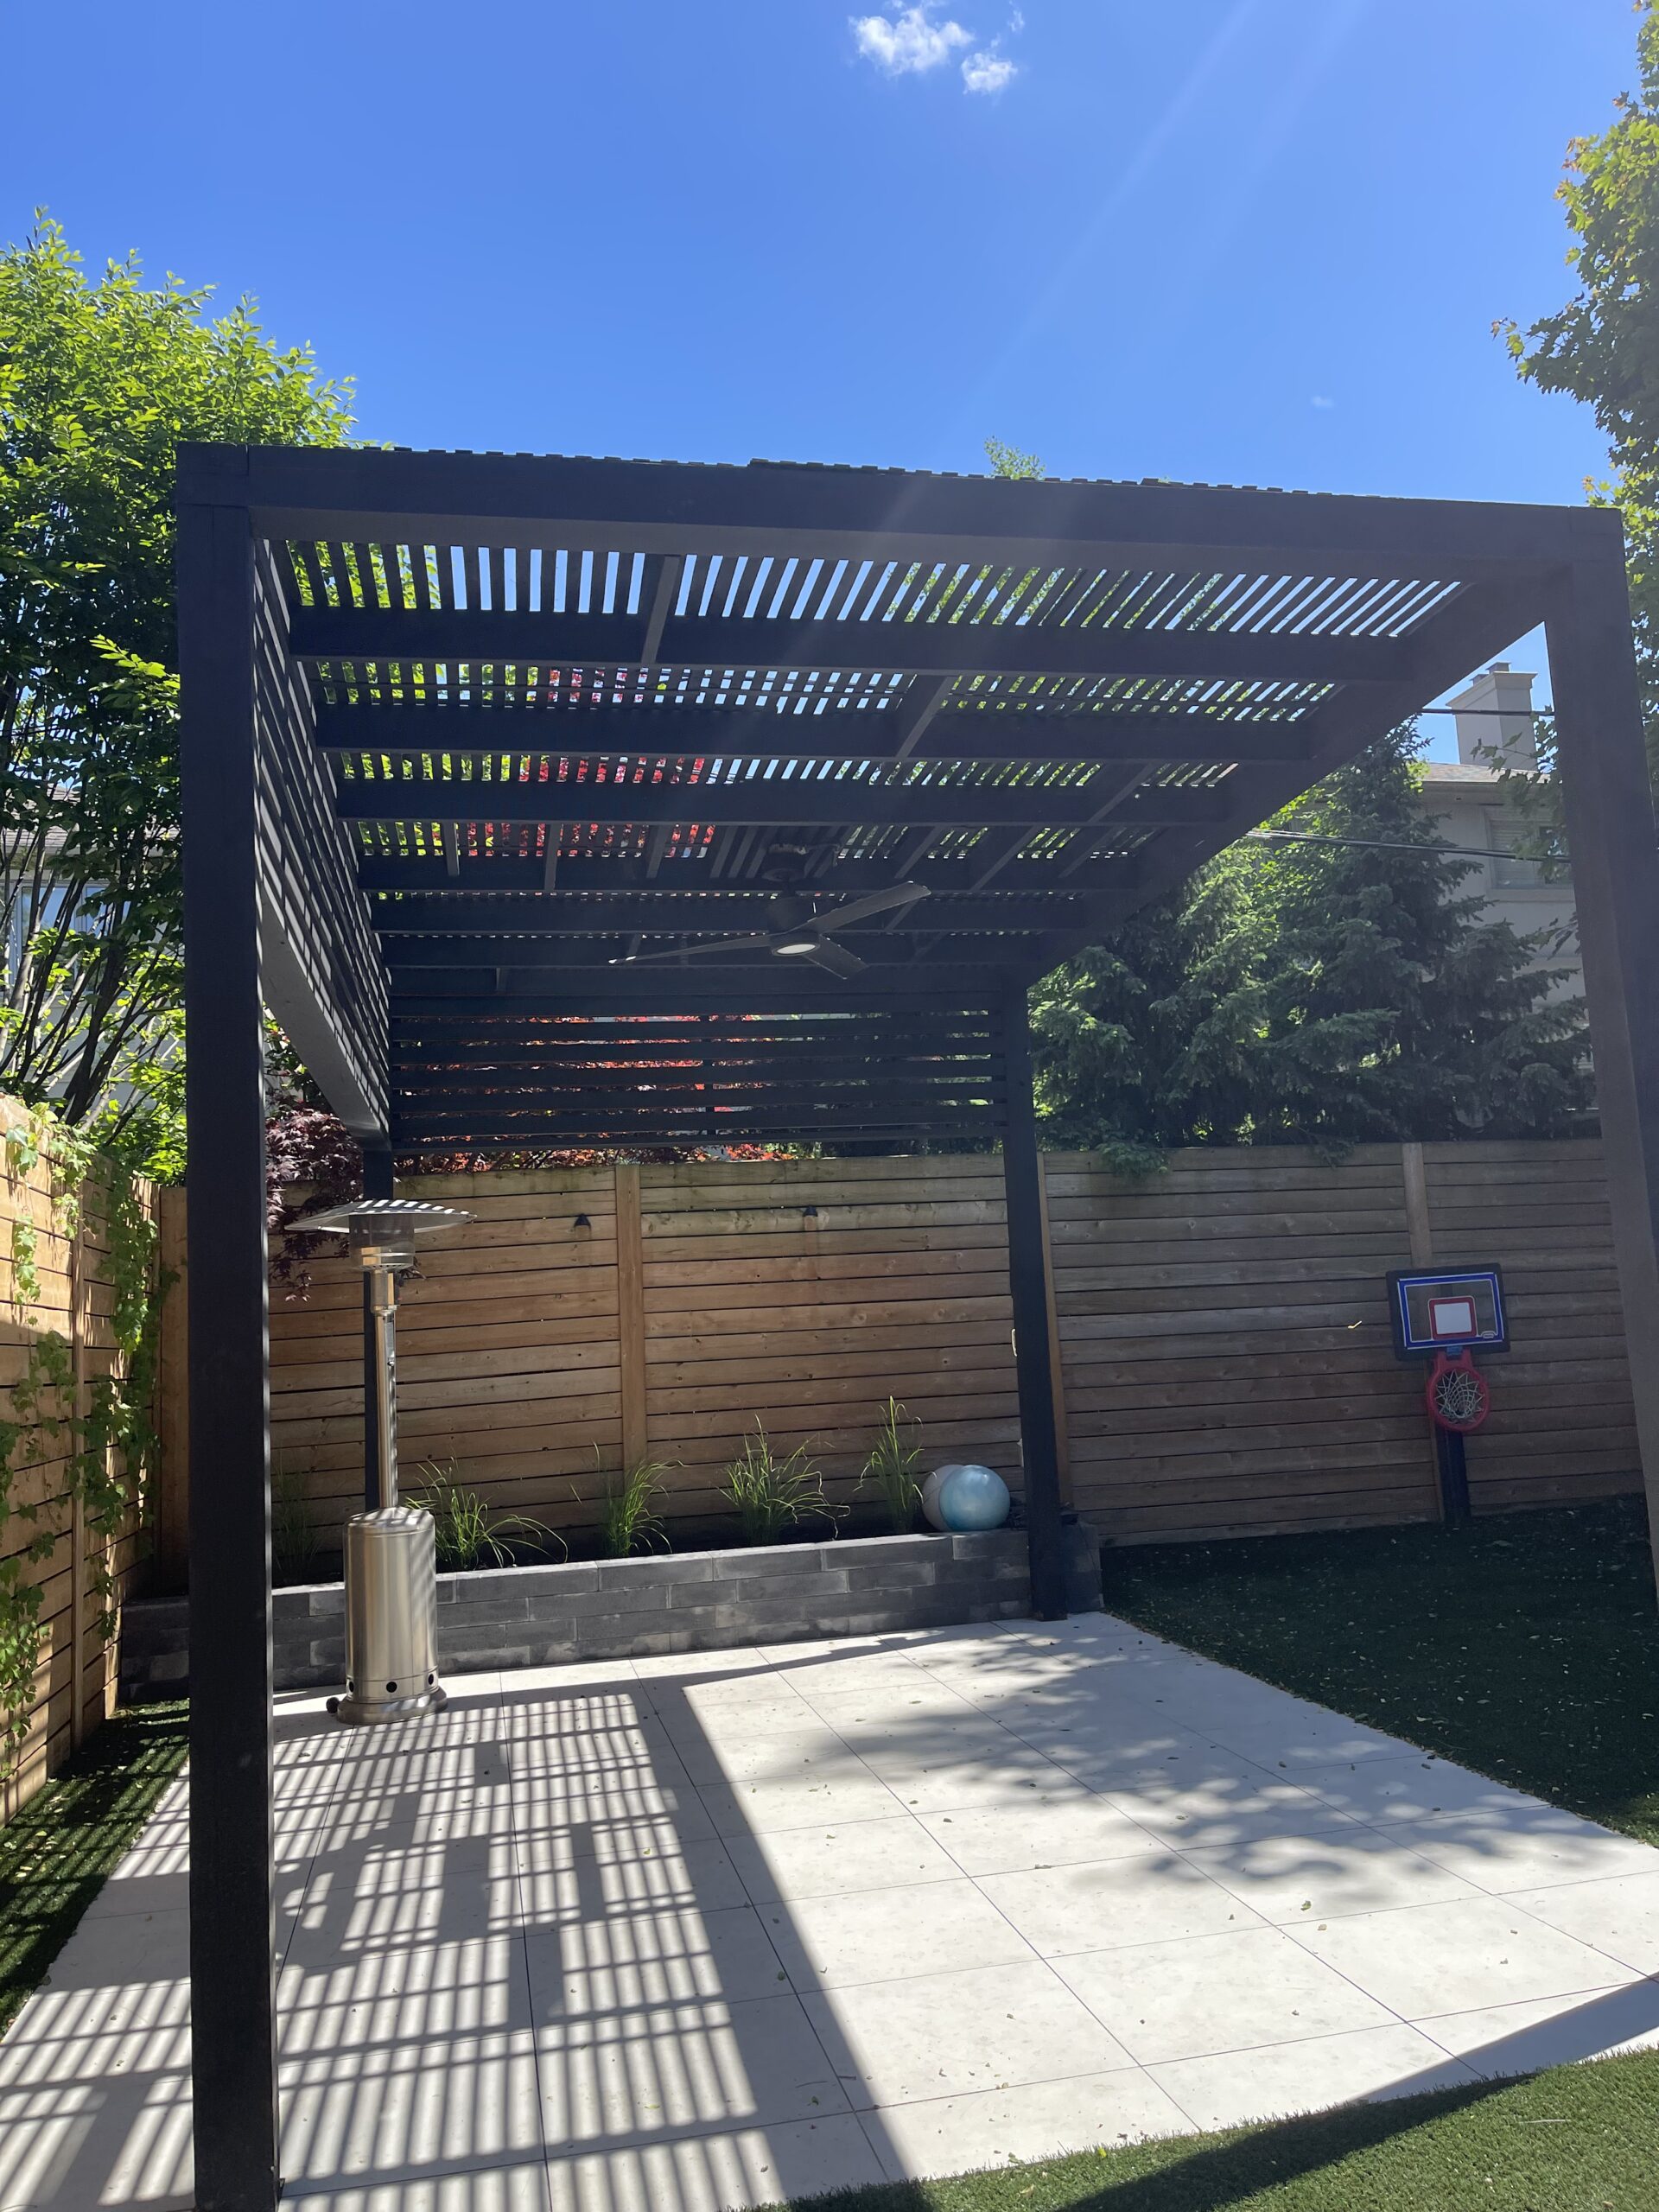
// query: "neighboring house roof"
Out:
[1459,772]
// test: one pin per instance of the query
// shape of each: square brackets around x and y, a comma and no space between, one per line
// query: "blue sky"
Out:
[1239,241]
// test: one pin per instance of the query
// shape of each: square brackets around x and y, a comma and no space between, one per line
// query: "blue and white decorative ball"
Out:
[969,1497]
[931,1488]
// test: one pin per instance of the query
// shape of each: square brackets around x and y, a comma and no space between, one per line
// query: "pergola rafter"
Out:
[466,735]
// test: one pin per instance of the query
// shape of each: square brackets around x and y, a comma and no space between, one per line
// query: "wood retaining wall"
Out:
[1224,1352]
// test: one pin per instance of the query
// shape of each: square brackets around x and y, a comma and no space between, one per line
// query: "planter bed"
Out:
[627,1608]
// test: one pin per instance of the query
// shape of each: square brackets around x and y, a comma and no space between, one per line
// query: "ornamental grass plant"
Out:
[771,1495]
[466,1533]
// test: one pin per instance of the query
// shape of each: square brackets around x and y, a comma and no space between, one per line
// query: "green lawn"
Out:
[1526,1647]
[56,1852]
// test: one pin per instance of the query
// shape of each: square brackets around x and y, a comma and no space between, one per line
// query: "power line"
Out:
[1503,714]
[1383,844]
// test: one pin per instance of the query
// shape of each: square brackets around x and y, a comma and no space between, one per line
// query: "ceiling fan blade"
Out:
[878,902]
[696,951]
[836,957]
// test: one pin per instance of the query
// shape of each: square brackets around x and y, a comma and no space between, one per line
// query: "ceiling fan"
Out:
[801,931]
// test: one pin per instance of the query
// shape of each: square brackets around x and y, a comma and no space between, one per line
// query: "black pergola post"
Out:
[232,1925]
[1614,852]
[1028,1284]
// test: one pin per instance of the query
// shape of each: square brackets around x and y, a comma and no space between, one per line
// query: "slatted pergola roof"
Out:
[574,723]
[480,749]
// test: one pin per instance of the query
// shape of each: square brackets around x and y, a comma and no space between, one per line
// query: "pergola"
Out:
[483,753]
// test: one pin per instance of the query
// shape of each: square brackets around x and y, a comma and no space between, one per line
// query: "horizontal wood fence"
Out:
[1228,1364]
[1222,1347]
[57,1295]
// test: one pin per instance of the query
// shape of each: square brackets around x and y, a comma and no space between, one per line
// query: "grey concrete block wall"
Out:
[628,1608]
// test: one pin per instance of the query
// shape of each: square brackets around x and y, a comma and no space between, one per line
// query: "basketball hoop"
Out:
[1457,1395]
[1443,1315]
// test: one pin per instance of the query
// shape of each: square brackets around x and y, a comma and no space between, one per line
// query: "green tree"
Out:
[1603,348]
[100,382]
[1009,461]
[1338,987]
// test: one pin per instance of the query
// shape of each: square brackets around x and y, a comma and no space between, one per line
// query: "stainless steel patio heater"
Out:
[391,1660]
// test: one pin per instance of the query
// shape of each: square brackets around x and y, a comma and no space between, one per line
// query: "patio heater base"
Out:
[392,1591]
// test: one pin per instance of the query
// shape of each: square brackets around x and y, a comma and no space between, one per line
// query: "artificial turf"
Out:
[1582,2139]
[1526,1647]
[55,1853]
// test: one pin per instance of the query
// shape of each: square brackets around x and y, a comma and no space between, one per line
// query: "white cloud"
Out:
[1320,400]
[987,72]
[911,41]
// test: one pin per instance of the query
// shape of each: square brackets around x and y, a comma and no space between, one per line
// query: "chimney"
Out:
[1495,724]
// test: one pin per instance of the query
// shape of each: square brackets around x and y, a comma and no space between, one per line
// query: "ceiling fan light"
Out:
[789,947]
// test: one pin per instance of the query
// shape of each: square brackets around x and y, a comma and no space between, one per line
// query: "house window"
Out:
[1508,874]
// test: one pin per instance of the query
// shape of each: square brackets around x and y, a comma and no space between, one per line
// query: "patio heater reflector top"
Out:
[388,1225]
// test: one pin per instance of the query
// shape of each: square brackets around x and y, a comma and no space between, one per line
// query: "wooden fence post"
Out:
[173,1395]
[631,1314]
[1422,1242]
[1056,1361]
[1422,1256]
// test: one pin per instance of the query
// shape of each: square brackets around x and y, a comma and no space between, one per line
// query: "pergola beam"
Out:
[929,988]
[776,802]
[401,497]
[694,914]
[878,952]
[500,875]
[381,637]
[843,734]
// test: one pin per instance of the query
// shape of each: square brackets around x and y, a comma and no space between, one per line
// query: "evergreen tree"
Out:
[1340,990]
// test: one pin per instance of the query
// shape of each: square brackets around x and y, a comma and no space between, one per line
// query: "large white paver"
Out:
[690,1933]
[1504,1850]
[941,2034]
[1145,1899]
[1272,2079]
[1431,1958]
[1619,1914]
[1294,1879]
[849,1860]
[1212,1993]
[1036,2119]
[891,1935]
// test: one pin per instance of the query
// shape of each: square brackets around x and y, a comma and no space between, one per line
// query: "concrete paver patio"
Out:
[722,1929]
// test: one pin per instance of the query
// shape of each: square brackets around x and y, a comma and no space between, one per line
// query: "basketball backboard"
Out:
[1444,1309]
